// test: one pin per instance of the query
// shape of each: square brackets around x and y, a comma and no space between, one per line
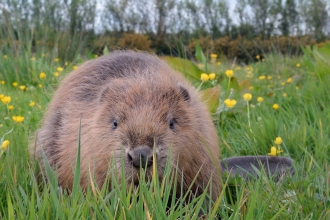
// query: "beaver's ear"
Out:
[184,93]
[252,166]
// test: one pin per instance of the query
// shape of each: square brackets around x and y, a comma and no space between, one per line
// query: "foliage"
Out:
[299,86]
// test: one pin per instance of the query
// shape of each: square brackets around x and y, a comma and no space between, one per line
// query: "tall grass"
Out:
[301,121]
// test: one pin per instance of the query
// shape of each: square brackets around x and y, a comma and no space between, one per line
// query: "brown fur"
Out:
[142,93]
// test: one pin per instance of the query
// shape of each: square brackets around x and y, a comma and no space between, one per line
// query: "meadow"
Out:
[278,105]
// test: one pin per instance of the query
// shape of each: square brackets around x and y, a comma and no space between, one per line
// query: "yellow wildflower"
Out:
[57,59]
[6,99]
[214,56]
[2,82]
[229,73]
[230,103]
[274,151]
[260,99]
[247,96]
[75,67]
[15,84]
[251,88]
[205,77]
[22,87]
[4,56]
[262,77]
[59,69]
[284,95]
[278,140]
[66,63]
[56,74]
[218,63]
[4,145]
[263,60]
[33,58]
[298,65]
[282,83]
[32,103]
[212,76]
[40,85]
[42,75]
[18,119]
[276,106]
[1,96]
[289,80]
[269,77]
[10,107]
[258,57]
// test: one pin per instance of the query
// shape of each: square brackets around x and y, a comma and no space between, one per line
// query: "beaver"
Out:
[132,107]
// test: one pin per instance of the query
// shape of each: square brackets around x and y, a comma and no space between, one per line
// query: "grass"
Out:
[302,121]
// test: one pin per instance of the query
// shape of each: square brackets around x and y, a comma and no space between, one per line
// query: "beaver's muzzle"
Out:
[141,156]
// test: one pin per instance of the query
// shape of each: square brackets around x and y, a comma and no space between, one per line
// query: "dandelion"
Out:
[31,104]
[278,140]
[247,96]
[4,145]
[205,77]
[59,69]
[1,96]
[218,63]
[15,84]
[6,99]
[260,99]
[289,80]
[42,75]
[283,83]
[22,87]
[258,57]
[75,67]
[33,59]
[298,65]
[274,151]
[10,107]
[56,74]
[230,103]
[56,59]
[18,119]
[229,73]
[2,82]
[212,76]
[284,95]
[237,68]
[214,56]
[276,106]
[251,88]
[262,77]
[5,56]
[66,63]
[269,77]
[40,85]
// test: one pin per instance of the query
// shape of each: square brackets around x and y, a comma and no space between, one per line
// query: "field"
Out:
[278,101]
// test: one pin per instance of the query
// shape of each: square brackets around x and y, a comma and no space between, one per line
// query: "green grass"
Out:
[302,121]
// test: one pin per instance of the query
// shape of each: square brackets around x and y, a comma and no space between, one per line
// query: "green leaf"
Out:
[211,97]
[199,53]
[188,68]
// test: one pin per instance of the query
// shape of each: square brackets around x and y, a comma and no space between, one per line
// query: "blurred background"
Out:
[238,29]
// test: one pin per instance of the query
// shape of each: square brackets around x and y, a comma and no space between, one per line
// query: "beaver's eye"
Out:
[171,124]
[114,124]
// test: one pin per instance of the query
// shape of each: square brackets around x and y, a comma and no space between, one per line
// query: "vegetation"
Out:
[276,102]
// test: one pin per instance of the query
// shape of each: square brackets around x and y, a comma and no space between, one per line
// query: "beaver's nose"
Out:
[141,156]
